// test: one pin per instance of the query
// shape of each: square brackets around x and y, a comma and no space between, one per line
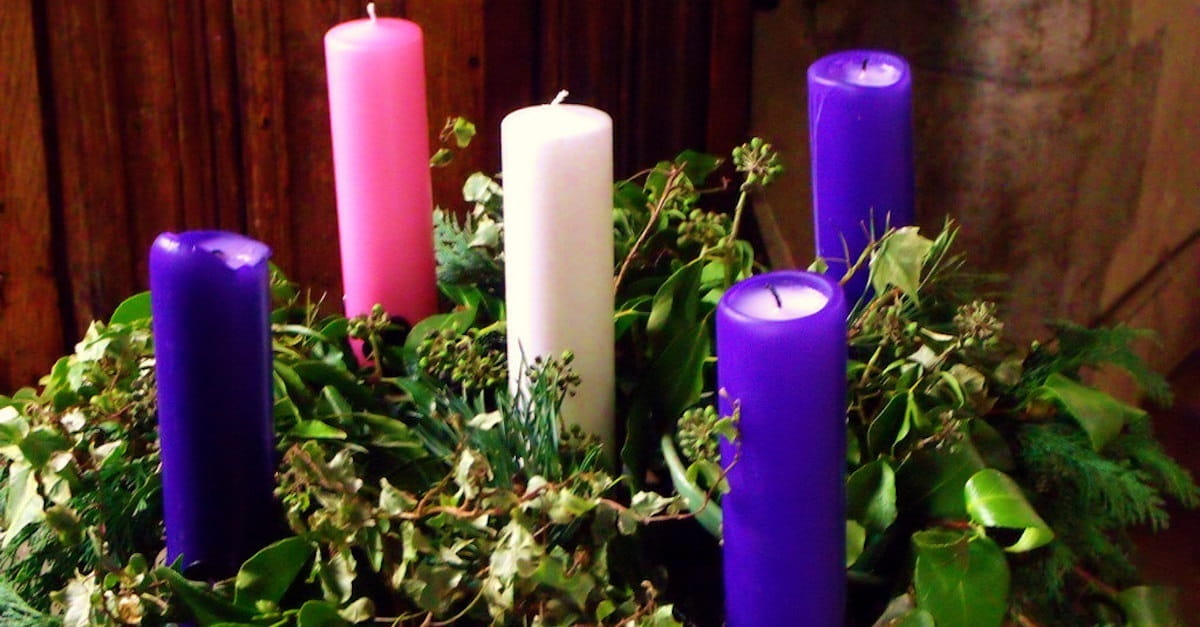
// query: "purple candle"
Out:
[209,295]
[860,133]
[781,358]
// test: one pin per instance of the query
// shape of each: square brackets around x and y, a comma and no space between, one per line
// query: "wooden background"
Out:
[125,118]
[1062,134]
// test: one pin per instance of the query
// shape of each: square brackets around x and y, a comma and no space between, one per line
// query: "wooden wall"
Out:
[125,118]
[1061,134]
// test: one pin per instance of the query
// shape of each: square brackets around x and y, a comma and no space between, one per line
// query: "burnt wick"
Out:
[775,293]
[864,68]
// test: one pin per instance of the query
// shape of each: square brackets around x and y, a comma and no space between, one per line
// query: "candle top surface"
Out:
[231,249]
[783,295]
[366,33]
[556,120]
[860,68]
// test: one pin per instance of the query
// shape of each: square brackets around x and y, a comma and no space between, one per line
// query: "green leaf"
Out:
[268,574]
[677,301]
[697,165]
[319,614]
[316,430]
[464,130]
[441,158]
[871,495]
[331,403]
[889,427]
[132,309]
[995,500]
[206,605]
[992,446]
[708,513]
[935,478]
[961,581]
[1100,416]
[856,539]
[321,373]
[915,618]
[40,444]
[898,261]
[1150,606]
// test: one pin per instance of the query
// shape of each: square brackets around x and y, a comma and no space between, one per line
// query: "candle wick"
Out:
[775,293]
[864,67]
[371,10]
[562,95]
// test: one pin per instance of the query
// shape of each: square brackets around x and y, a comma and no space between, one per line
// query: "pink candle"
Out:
[376,73]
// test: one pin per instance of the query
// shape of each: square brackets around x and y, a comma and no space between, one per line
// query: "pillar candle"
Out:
[860,134]
[781,361]
[376,73]
[557,168]
[210,301]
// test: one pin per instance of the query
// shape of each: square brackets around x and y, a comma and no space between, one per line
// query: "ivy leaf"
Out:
[995,500]
[697,165]
[677,301]
[1149,606]
[206,605]
[889,427]
[132,309]
[935,477]
[961,581]
[463,131]
[708,513]
[319,372]
[319,614]
[24,505]
[856,540]
[992,446]
[316,430]
[1100,416]
[898,261]
[871,495]
[268,574]
[441,158]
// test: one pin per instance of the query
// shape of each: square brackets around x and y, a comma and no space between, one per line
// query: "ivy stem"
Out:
[655,211]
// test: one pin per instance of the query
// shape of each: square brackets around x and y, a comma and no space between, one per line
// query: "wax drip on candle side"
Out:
[560,97]
[371,11]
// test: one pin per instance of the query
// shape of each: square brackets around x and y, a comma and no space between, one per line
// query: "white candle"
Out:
[558,250]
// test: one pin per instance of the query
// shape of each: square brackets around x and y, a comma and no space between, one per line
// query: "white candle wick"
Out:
[562,95]
[371,10]
[775,293]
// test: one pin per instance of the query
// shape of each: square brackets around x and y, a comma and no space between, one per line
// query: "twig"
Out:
[1096,583]
[655,211]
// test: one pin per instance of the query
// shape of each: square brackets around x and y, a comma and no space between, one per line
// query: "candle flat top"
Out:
[860,68]
[781,296]
[556,120]
[780,302]
[365,33]
[231,249]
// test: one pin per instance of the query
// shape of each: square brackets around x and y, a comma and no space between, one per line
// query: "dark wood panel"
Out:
[214,114]
[30,327]
[91,161]
[259,46]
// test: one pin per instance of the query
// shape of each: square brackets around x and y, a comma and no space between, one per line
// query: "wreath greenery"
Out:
[986,484]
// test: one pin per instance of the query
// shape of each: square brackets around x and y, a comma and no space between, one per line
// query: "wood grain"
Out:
[90,153]
[214,114]
[30,326]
